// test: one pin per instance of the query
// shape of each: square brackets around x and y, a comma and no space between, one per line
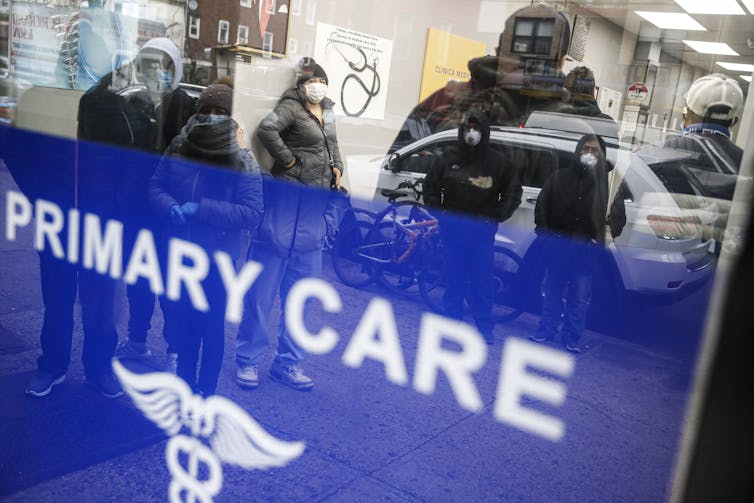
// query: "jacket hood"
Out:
[603,164]
[484,127]
[167,46]
[483,71]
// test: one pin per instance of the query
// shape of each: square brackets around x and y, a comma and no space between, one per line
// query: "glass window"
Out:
[245,3]
[243,35]
[269,6]
[194,26]
[267,44]
[223,30]
[533,36]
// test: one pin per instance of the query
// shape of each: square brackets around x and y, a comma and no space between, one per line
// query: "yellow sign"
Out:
[446,58]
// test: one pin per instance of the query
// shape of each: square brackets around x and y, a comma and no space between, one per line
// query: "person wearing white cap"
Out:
[712,106]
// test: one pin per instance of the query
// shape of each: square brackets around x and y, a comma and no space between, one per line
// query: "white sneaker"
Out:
[292,376]
[247,376]
[171,363]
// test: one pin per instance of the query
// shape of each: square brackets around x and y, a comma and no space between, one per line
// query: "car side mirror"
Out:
[392,162]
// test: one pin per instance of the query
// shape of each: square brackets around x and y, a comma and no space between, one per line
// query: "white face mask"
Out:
[122,78]
[472,137]
[588,160]
[315,91]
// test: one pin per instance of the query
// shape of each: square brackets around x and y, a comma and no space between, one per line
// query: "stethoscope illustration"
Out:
[358,66]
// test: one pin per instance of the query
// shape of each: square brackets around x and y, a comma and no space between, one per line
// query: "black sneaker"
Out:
[539,337]
[107,384]
[574,348]
[42,383]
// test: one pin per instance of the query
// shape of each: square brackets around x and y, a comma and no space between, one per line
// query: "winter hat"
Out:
[309,69]
[216,96]
[715,96]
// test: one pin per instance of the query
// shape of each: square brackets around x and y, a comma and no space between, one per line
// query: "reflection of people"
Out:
[300,135]
[472,179]
[579,87]
[525,74]
[572,218]
[147,120]
[712,105]
[209,207]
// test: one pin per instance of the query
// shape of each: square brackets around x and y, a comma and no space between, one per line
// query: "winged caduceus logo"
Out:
[216,431]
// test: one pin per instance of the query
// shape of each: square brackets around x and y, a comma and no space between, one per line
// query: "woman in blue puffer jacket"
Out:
[206,189]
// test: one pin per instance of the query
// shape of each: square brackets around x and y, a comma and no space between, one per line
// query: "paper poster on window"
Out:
[358,70]
[447,58]
[67,47]
[610,102]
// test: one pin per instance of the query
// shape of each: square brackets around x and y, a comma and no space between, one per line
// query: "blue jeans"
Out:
[278,275]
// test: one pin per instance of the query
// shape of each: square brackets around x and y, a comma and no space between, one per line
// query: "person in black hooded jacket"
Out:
[572,219]
[475,189]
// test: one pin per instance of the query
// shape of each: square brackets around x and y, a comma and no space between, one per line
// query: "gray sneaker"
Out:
[292,376]
[42,383]
[129,349]
[247,376]
[107,384]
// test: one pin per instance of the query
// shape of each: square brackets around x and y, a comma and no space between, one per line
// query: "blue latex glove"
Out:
[190,209]
[176,215]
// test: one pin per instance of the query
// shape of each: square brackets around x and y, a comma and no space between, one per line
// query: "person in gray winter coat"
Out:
[300,135]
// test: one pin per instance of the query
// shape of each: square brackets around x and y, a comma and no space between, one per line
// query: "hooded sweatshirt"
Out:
[473,180]
[573,201]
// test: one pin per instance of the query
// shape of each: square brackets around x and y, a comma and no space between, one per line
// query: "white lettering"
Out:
[103,253]
[236,286]
[516,382]
[144,263]
[48,228]
[325,340]
[74,223]
[376,336]
[457,365]
[190,275]
[18,211]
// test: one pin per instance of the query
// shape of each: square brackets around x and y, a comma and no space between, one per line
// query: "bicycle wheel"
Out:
[397,273]
[352,268]
[508,303]
[431,280]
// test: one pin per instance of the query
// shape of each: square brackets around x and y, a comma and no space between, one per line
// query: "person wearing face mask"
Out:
[205,190]
[573,220]
[474,189]
[300,136]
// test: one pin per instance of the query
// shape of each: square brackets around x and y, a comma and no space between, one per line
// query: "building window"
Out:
[223,29]
[293,45]
[311,11]
[267,43]
[296,7]
[193,31]
[245,3]
[243,35]
[532,36]
[270,6]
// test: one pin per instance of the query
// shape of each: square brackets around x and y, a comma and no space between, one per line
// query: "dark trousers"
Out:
[468,249]
[197,331]
[59,280]
[567,289]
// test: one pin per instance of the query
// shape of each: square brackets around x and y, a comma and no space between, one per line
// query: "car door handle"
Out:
[531,199]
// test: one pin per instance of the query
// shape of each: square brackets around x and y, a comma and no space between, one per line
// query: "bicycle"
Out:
[387,248]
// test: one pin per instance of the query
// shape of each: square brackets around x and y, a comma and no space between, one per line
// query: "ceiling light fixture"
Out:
[737,67]
[729,7]
[671,20]
[711,47]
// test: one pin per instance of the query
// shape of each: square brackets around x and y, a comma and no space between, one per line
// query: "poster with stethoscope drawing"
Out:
[358,69]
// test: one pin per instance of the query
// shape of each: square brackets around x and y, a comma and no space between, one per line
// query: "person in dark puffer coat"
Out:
[300,135]
[208,205]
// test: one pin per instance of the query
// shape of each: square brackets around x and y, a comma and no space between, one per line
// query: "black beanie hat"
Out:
[216,96]
[309,69]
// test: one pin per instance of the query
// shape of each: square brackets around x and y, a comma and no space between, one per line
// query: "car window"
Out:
[535,164]
[676,178]
[420,160]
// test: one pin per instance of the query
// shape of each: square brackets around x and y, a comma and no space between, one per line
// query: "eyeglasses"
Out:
[586,149]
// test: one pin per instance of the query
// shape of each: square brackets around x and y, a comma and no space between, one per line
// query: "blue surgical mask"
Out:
[159,80]
[210,118]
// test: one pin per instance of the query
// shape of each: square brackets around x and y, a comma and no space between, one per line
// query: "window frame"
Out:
[220,30]
[239,40]
[193,26]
